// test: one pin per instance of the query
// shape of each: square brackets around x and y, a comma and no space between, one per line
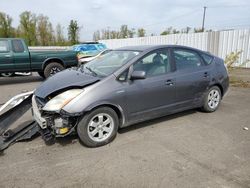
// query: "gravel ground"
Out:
[189,149]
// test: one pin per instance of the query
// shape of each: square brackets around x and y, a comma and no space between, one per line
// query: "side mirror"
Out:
[137,75]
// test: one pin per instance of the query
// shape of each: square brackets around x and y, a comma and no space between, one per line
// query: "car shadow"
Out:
[72,139]
[155,121]
[20,80]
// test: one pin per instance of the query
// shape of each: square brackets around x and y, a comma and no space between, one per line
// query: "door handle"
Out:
[7,56]
[169,83]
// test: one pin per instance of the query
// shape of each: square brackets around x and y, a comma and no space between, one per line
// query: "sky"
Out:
[153,15]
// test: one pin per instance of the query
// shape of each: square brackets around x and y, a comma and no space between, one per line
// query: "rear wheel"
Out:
[52,68]
[212,99]
[99,127]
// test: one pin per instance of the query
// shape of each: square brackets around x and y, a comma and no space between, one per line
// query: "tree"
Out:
[131,32]
[96,35]
[124,32]
[45,31]
[6,30]
[114,34]
[60,39]
[73,32]
[198,30]
[141,32]
[27,28]
[167,31]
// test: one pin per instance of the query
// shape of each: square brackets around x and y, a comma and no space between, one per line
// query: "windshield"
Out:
[109,63]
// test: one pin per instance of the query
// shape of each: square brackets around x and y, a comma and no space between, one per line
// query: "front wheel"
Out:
[212,99]
[99,127]
[7,74]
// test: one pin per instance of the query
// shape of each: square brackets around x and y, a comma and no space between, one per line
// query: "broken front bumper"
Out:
[56,123]
[37,115]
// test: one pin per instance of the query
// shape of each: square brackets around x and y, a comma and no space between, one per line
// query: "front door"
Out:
[21,55]
[6,58]
[154,95]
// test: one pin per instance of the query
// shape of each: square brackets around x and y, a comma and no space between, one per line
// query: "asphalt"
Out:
[188,149]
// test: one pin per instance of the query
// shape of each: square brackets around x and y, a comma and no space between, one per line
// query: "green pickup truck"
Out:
[16,57]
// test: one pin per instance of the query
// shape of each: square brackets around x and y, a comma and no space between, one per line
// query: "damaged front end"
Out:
[52,123]
[46,104]
[48,124]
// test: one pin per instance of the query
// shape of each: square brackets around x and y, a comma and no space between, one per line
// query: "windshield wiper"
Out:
[91,70]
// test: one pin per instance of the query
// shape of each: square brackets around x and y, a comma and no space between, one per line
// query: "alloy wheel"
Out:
[100,127]
[213,99]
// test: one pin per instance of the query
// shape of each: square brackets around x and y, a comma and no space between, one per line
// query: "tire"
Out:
[41,74]
[212,99]
[7,74]
[52,68]
[90,127]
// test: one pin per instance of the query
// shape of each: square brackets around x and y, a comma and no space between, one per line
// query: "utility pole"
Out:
[203,20]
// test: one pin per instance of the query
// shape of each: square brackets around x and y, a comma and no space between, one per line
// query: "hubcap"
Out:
[213,98]
[100,127]
[54,70]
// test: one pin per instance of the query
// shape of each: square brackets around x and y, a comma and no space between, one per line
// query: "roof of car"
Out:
[152,47]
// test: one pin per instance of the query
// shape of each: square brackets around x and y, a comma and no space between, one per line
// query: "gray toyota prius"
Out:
[126,86]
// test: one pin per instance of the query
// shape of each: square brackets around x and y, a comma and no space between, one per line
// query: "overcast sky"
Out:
[153,15]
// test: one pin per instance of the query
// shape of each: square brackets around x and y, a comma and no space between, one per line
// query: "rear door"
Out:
[20,55]
[192,77]
[6,58]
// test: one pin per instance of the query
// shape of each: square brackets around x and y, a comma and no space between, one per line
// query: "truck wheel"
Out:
[98,127]
[52,68]
[7,74]
[41,74]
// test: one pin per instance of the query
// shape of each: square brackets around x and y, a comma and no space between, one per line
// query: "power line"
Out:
[230,6]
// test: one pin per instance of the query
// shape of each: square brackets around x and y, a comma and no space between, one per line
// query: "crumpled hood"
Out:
[69,78]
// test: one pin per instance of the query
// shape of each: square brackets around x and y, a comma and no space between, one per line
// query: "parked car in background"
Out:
[127,86]
[88,49]
[16,57]
[87,59]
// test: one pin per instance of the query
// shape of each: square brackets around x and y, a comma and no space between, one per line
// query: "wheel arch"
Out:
[53,59]
[220,87]
[118,110]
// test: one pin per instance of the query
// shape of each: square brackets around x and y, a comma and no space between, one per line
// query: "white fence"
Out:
[220,43]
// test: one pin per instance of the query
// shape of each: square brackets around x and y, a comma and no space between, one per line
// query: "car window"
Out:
[4,47]
[110,62]
[123,76]
[207,58]
[154,64]
[186,59]
[17,46]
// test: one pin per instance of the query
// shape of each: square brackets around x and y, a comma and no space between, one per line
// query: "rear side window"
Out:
[207,58]
[186,59]
[4,47]
[17,46]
